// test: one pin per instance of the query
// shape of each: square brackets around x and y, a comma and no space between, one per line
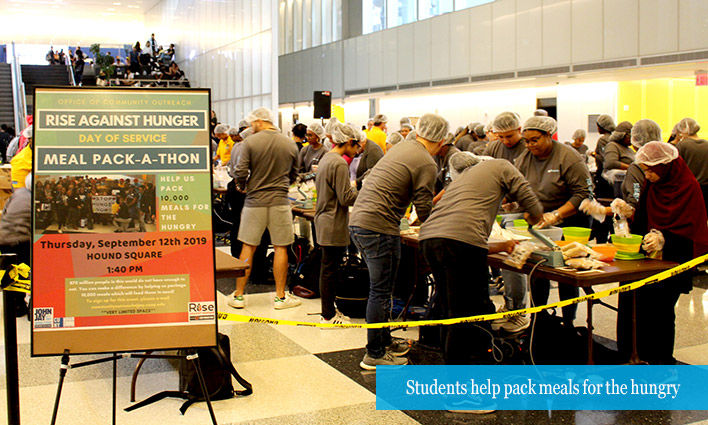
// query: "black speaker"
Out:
[323,104]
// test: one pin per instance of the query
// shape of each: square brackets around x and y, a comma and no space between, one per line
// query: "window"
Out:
[464,4]
[374,18]
[400,12]
[430,8]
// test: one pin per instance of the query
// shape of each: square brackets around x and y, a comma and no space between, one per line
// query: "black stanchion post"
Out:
[62,373]
[195,360]
[115,377]
[12,384]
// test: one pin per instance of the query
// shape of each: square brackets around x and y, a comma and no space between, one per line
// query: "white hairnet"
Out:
[233,131]
[488,127]
[506,121]
[362,136]
[243,124]
[645,131]
[408,126]
[471,126]
[245,133]
[316,128]
[433,128]
[221,129]
[540,113]
[688,126]
[28,132]
[655,153]
[479,130]
[405,120]
[460,161]
[380,119]
[263,114]
[394,138]
[544,124]
[412,135]
[330,125]
[579,134]
[342,133]
[606,122]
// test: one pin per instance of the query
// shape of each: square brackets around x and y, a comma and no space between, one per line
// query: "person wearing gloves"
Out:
[405,175]
[578,144]
[454,242]
[509,144]
[370,154]
[377,134]
[223,149]
[311,154]
[694,152]
[335,196]
[643,132]
[561,181]
[618,156]
[265,170]
[669,193]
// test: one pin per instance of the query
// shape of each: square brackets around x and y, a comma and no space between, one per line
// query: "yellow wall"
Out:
[665,100]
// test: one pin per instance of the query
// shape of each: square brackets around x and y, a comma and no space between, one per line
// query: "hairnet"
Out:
[544,124]
[433,128]
[394,138]
[479,130]
[655,153]
[28,182]
[540,113]
[233,131]
[316,128]
[342,133]
[460,161]
[471,126]
[221,129]
[606,122]
[245,133]
[579,134]
[243,124]
[263,114]
[362,136]
[380,119]
[330,125]
[488,127]
[506,121]
[408,126]
[688,126]
[645,131]
[624,128]
[405,120]
[412,135]
[28,132]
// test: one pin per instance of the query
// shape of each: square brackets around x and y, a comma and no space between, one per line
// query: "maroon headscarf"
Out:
[675,204]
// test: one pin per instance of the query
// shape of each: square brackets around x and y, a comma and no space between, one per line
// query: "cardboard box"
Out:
[5,177]
[4,196]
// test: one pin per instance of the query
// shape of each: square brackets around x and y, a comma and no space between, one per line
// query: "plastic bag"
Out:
[521,253]
[621,226]
[584,263]
[653,241]
[593,208]
[621,208]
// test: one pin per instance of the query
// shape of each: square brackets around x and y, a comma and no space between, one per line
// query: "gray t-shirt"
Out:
[600,150]
[443,163]
[233,162]
[335,195]
[632,185]
[557,179]
[497,149]
[266,168]
[309,156]
[406,173]
[695,153]
[368,158]
[479,145]
[616,154]
[467,211]
[464,142]
[582,150]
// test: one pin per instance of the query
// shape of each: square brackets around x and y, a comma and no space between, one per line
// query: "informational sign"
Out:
[123,255]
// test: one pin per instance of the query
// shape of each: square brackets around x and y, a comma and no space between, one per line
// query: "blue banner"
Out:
[542,387]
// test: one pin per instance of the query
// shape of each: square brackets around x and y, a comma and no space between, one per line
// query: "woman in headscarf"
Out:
[669,192]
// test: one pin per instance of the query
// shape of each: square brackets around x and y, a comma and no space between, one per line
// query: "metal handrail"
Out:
[19,100]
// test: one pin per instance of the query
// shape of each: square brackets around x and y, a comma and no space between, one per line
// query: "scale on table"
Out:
[553,257]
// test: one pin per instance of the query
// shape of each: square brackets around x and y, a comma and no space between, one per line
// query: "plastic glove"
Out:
[548,219]
[511,206]
[653,241]
[593,208]
[621,208]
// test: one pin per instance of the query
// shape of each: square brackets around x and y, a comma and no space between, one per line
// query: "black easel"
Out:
[12,383]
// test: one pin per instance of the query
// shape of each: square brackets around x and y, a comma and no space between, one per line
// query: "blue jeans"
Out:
[381,253]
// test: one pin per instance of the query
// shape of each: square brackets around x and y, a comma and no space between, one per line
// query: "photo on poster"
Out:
[90,204]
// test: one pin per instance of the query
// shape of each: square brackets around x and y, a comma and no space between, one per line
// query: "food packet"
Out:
[584,263]
[621,226]
[520,254]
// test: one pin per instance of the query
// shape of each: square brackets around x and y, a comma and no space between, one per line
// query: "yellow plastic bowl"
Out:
[628,245]
[576,234]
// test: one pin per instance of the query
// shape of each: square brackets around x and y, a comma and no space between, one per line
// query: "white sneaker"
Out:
[501,320]
[236,301]
[338,319]
[288,302]
[516,324]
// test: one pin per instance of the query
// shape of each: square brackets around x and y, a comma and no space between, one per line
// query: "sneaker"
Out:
[399,347]
[287,302]
[237,301]
[516,324]
[475,405]
[338,319]
[370,363]
[501,320]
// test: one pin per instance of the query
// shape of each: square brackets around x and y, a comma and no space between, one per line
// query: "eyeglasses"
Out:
[532,142]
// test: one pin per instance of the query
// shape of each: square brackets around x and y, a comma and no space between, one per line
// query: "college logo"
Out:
[43,317]
[201,311]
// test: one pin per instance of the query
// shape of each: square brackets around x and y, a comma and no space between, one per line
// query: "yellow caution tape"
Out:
[19,276]
[483,318]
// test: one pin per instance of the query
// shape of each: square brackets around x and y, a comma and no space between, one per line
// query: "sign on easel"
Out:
[123,254]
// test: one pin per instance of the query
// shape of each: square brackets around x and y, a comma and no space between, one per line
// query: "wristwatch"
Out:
[558,216]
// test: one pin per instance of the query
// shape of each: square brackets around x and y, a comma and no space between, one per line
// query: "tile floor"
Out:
[306,375]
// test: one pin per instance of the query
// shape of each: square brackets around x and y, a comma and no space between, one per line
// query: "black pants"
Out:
[331,260]
[23,256]
[461,283]
[235,200]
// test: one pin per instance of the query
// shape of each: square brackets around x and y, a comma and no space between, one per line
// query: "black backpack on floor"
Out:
[353,287]
[304,265]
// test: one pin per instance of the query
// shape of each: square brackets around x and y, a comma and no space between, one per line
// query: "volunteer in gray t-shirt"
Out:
[311,154]
[561,181]
[454,241]
[694,152]
[509,144]
[405,174]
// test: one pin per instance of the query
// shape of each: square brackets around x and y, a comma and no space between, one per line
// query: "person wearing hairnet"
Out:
[605,126]
[370,154]
[265,170]
[579,145]
[377,134]
[561,181]
[694,152]
[393,139]
[405,129]
[233,196]
[454,242]
[405,175]
[310,155]
[618,156]
[480,145]
[369,124]
[335,195]
[509,144]
[672,215]
[643,132]
[442,160]
[223,150]
[467,138]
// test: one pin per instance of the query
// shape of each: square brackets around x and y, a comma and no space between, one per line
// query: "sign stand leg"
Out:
[62,373]
[115,377]
[11,365]
[202,383]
